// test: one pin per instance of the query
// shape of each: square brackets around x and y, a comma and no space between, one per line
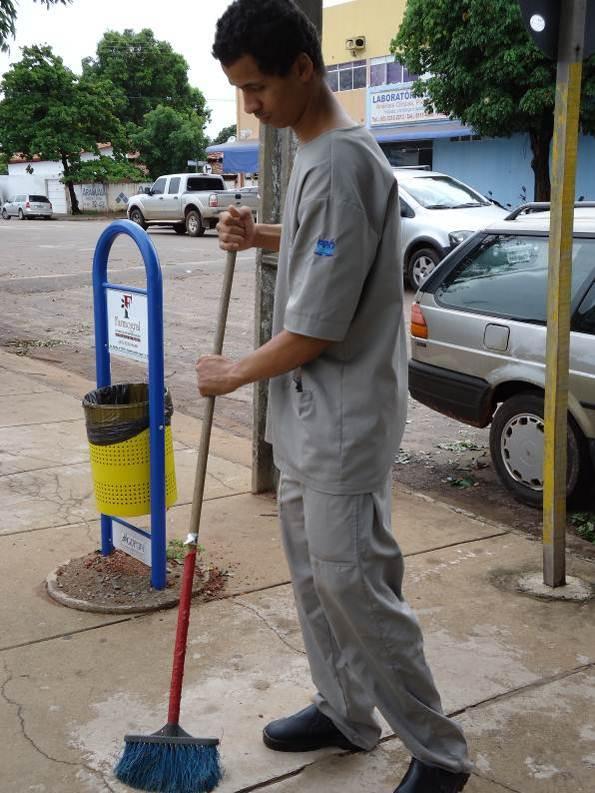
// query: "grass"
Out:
[176,550]
[584,525]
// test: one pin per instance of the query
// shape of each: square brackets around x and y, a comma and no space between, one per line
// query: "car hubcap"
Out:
[136,218]
[422,267]
[192,224]
[522,450]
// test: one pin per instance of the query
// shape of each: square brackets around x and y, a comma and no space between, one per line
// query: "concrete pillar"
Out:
[277,151]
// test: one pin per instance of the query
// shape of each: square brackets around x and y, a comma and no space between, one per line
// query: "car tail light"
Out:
[419,329]
[213,202]
[27,205]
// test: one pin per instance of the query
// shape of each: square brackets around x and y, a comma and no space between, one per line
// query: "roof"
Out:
[584,222]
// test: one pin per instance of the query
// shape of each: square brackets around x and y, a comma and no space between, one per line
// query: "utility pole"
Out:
[277,152]
[564,31]
[564,156]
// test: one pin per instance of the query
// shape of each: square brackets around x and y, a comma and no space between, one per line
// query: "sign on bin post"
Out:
[129,324]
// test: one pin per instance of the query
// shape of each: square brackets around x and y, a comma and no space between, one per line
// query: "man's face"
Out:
[274,100]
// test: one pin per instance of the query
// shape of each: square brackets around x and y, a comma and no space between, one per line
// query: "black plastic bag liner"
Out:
[116,413]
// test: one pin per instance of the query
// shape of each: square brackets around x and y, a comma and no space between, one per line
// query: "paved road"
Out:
[46,311]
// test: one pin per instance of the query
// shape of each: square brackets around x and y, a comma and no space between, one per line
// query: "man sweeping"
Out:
[337,370]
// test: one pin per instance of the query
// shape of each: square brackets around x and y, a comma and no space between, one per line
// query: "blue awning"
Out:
[422,130]
[238,157]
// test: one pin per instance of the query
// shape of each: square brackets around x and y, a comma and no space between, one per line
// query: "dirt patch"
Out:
[462,476]
[119,582]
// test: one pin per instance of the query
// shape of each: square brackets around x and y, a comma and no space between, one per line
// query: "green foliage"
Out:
[484,69]
[145,73]
[584,524]
[168,139]
[225,134]
[106,169]
[49,111]
[176,550]
[8,14]
[3,164]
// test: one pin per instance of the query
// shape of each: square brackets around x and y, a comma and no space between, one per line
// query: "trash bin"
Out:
[117,419]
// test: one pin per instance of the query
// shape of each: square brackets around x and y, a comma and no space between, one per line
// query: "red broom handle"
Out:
[177,675]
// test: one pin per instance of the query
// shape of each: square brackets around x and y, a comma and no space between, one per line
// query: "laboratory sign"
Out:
[393,104]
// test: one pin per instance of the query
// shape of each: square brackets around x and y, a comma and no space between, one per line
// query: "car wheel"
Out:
[136,216]
[517,449]
[180,228]
[421,263]
[21,215]
[5,215]
[194,225]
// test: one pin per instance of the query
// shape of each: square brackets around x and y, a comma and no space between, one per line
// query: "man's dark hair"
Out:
[273,32]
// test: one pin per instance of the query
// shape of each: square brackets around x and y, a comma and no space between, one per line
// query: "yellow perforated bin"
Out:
[117,428]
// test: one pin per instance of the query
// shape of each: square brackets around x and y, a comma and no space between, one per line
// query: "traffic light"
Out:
[542,20]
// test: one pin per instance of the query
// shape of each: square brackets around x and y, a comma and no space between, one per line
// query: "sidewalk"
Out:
[518,672]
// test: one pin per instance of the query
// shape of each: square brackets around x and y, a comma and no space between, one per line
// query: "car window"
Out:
[196,184]
[506,275]
[39,199]
[174,185]
[406,211]
[443,192]
[584,319]
[159,186]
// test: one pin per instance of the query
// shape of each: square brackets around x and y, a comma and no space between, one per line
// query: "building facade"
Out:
[376,91]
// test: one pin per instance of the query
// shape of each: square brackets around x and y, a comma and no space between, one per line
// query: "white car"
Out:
[437,213]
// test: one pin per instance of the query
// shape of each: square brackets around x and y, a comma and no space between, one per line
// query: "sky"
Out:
[189,25]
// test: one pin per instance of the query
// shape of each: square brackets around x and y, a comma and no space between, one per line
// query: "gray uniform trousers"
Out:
[363,641]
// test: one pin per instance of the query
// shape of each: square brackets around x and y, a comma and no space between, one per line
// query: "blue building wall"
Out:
[503,166]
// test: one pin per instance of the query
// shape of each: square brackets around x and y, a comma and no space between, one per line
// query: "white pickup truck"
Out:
[188,202]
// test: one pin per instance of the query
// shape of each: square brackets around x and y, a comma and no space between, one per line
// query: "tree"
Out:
[8,14]
[224,135]
[168,139]
[481,66]
[49,111]
[107,169]
[146,73]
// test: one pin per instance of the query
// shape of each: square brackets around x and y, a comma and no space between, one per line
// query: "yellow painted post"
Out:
[566,127]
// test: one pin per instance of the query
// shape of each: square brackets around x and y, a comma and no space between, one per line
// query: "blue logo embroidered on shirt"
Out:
[325,247]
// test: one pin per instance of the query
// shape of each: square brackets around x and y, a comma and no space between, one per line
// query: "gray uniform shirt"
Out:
[336,424]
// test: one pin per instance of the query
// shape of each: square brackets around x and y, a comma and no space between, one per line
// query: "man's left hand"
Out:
[215,375]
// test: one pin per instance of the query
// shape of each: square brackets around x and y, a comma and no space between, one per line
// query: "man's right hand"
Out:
[237,230]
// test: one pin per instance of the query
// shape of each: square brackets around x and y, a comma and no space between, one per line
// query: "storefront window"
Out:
[412,153]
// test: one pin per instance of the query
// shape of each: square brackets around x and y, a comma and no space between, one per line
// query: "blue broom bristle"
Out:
[170,768]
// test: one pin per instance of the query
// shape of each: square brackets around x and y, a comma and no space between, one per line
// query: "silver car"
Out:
[26,206]
[437,213]
[478,333]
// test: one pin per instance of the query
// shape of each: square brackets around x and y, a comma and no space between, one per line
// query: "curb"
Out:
[57,594]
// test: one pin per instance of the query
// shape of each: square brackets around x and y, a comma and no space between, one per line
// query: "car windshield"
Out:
[443,192]
[507,276]
[39,199]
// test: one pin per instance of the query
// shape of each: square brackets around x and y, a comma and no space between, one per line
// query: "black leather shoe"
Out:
[305,731]
[422,778]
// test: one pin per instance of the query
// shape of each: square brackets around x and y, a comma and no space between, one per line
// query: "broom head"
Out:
[170,761]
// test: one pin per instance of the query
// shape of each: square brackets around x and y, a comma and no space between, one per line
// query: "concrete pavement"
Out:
[518,672]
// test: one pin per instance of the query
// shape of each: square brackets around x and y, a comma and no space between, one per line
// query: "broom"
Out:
[170,760]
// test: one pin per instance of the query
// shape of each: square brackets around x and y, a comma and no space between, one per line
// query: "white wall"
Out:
[46,169]
[99,197]
[15,183]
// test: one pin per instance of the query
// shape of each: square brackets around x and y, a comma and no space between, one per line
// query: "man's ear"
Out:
[304,68]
